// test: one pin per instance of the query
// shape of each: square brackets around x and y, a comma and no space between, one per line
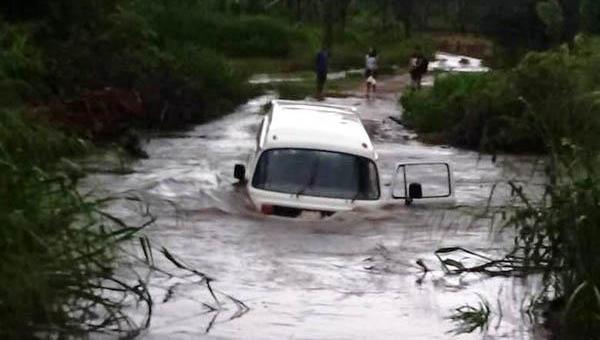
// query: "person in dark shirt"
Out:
[321,67]
[418,67]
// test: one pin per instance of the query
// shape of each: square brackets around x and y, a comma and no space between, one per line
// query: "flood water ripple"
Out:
[352,276]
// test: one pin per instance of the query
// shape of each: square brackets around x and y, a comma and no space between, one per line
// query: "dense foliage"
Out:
[473,111]
[547,93]
[548,103]
[561,236]
[58,248]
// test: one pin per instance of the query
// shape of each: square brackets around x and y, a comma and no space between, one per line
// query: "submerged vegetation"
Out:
[547,103]
[543,101]
[561,236]
[471,318]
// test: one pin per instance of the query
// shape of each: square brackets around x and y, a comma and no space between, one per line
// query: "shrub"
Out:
[549,96]
[21,66]
[561,236]
[200,84]
[470,110]
[256,37]
[180,83]
[235,36]
[560,91]
[58,249]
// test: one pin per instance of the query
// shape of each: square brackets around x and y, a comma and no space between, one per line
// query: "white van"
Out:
[319,158]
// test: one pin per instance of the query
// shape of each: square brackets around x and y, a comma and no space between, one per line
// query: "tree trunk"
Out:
[571,13]
[328,22]
[404,11]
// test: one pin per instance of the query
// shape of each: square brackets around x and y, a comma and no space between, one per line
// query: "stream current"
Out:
[351,276]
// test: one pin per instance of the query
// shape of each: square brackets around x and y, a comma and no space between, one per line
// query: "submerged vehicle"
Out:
[313,157]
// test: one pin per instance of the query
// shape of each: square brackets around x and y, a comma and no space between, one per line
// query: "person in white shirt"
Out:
[371,71]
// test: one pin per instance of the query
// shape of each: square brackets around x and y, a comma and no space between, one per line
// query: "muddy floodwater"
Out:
[351,276]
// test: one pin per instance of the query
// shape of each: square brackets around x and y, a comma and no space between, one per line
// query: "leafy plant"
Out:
[468,318]
[58,248]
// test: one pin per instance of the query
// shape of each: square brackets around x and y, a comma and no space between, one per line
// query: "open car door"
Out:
[419,181]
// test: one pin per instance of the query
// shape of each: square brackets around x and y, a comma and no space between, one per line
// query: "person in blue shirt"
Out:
[322,61]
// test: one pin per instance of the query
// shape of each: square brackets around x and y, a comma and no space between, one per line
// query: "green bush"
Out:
[21,66]
[560,236]
[559,89]
[478,111]
[235,36]
[58,249]
[256,37]
[180,82]
[36,143]
[548,97]
[201,84]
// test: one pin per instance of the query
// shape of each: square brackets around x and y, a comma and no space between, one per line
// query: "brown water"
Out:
[353,276]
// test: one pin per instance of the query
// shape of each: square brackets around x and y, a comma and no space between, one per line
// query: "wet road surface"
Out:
[352,276]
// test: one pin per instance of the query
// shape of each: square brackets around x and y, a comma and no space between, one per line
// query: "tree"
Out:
[404,12]
[551,14]
[572,18]
[590,16]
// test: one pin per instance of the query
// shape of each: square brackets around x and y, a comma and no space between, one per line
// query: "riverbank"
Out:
[545,105]
[518,110]
[355,266]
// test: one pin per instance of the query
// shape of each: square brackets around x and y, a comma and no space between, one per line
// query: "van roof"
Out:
[301,124]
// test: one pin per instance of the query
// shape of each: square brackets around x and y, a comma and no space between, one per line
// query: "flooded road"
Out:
[353,276]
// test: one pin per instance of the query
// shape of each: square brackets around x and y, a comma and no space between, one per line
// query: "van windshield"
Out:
[317,173]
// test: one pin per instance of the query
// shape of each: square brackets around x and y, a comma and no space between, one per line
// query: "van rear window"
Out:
[317,173]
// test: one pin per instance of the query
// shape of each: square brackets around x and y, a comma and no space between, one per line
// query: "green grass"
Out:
[58,249]
[558,235]
[561,235]
[468,318]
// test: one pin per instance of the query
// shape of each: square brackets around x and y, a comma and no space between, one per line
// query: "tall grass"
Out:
[21,65]
[563,236]
[559,235]
[58,248]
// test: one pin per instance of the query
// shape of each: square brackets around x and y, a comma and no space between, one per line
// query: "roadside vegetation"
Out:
[531,108]
[59,249]
[544,100]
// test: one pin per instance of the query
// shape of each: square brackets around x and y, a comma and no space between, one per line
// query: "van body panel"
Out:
[264,197]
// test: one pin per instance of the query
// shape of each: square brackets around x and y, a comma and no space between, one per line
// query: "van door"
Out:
[419,181]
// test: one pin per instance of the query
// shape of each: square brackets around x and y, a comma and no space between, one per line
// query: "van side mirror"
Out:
[239,172]
[416,181]
[415,191]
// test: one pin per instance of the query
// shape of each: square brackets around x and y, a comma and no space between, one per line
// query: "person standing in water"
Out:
[371,71]
[418,67]
[321,67]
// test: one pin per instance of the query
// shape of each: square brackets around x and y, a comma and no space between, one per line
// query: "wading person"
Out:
[371,71]
[417,68]
[322,61]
